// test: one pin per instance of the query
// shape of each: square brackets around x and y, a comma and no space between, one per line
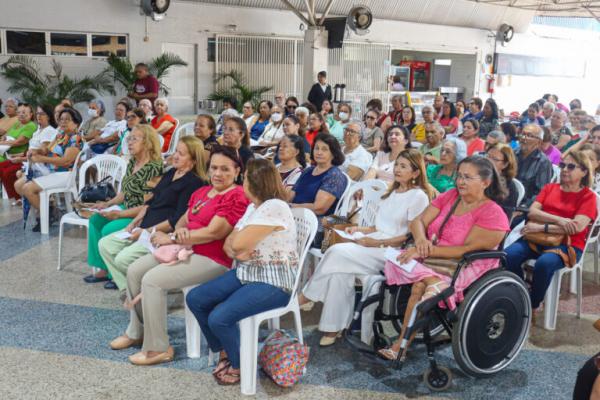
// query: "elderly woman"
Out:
[274,130]
[561,134]
[109,135]
[160,213]
[503,158]
[20,133]
[357,160]
[134,118]
[395,141]
[292,160]
[493,138]
[470,136]
[145,164]
[461,220]
[449,119]
[334,277]
[443,175]
[146,106]
[302,113]
[53,167]
[164,123]
[342,117]
[205,129]
[373,136]
[95,122]
[565,208]
[263,245]
[248,113]
[212,213]
[235,135]
[10,118]
[321,185]
[264,116]
[432,149]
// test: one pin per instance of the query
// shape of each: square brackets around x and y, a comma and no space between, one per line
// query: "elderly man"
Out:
[493,138]
[418,132]
[146,86]
[438,102]
[475,110]
[280,100]
[395,116]
[432,150]
[561,134]
[534,168]
[358,159]
[547,109]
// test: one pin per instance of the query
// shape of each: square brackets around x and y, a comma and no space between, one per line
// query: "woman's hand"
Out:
[358,195]
[368,242]
[430,159]
[36,158]
[160,239]
[182,234]
[533,227]
[111,215]
[101,205]
[424,247]
[568,225]
[352,229]
[135,234]
[409,254]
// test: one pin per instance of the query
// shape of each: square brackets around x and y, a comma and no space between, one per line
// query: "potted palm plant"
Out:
[238,89]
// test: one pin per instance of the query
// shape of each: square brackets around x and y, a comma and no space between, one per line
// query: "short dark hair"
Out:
[298,143]
[141,65]
[535,106]
[385,146]
[452,108]
[497,190]
[292,98]
[75,116]
[375,103]
[473,122]
[323,74]
[49,111]
[124,104]
[231,100]
[509,130]
[334,148]
[310,106]
[269,103]
[241,124]
[478,102]
[230,153]
[140,114]
[212,125]
[264,180]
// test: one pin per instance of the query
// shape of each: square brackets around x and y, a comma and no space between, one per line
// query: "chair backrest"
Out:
[72,181]
[161,140]
[520,190]
[106,165]
[349,183]
[306,229]
[555,174]
[372,190]
[594,231]
[174,138]
[186,129]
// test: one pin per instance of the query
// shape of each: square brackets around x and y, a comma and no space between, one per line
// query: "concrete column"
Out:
[315,56]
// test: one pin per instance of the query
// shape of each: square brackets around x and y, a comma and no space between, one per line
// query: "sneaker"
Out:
[38,226]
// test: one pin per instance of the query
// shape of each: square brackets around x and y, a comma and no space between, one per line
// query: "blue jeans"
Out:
[546,265]
[220,304]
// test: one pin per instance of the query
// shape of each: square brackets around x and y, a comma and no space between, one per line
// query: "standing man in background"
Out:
[320,91]
[146,86]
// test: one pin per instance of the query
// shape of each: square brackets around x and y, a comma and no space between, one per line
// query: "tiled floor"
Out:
[54,331]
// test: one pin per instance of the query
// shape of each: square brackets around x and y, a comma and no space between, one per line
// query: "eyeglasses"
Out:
[466,178]
[569,166]
[291,107]
[351,131]
[528,135]
[447,151]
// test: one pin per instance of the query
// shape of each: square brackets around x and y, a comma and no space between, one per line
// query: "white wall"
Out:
[195,23]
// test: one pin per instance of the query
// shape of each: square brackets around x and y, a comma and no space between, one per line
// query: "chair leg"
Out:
[193,336]
[69,202]
[573,285]
[596,262]
[60,239]
[273,323]
[248,355]
[551,302]
[579,275]
[44,212]
[298,323]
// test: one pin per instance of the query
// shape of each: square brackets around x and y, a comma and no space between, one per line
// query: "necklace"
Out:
[200,204]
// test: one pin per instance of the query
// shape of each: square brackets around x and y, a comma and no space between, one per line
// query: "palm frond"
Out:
[121,70]
[159,66]
[220,95]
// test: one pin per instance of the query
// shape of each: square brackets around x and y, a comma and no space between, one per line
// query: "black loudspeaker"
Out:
[336,29]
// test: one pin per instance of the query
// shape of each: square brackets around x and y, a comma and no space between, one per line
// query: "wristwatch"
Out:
[173,237]
[545,228]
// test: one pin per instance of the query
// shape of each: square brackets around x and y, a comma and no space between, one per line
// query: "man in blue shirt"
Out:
[475,112]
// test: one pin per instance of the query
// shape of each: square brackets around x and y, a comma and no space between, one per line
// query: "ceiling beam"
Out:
[297,12]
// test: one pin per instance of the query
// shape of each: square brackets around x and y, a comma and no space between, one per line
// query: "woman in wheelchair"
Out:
[334,278]
[458,221]
[564,208]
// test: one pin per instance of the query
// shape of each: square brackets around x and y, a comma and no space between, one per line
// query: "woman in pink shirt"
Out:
[449,120]
[470,136]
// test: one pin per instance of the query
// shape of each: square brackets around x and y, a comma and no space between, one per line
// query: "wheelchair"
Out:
[486,330]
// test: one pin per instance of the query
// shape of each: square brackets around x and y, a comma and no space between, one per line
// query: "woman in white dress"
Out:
[333,281]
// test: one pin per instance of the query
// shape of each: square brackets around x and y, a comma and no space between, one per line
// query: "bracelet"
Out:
[545,228]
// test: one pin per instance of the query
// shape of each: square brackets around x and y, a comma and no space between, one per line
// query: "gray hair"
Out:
[562,114]
[437,126]
[359,124]
[498,135]
[162,100]
[396,97]
[549,105]
[302,110]
[430,108]
[230,112]
[460,146]
[100,105]
[11,100]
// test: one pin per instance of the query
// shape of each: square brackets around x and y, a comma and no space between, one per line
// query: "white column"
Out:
[315,57]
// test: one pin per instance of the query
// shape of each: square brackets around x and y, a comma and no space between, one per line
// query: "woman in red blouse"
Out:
[449,120]
[316,125]
[470,136]
[164,123]
[212,213]
[567,207]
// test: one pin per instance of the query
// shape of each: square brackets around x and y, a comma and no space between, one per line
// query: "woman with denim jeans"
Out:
[263,245]
[566,208]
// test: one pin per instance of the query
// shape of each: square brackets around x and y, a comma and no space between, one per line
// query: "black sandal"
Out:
[235,376]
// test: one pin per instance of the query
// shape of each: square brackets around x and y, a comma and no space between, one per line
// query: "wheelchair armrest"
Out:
[522,209]
[483,255]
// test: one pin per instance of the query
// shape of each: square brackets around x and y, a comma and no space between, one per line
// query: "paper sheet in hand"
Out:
[103,210]
[514,235]
[353,236]
[123,235]
[392,256]
[144,240]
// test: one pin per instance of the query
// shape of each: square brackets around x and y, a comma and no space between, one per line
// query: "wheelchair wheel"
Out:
[399,303]
[493,323]
[438,379]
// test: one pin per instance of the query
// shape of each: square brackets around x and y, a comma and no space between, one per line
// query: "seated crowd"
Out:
[217,209]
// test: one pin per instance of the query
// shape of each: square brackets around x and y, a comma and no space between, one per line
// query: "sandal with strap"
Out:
[229,377]
[387,353]
[222,365]
[434,290]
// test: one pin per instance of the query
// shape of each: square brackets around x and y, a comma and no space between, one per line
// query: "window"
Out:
[211,52]
[103,45]
[68,44]
[22,42]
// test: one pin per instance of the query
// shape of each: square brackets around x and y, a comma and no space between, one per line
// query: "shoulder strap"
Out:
[446,218]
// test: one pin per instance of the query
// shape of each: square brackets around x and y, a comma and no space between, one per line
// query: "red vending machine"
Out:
[420,72]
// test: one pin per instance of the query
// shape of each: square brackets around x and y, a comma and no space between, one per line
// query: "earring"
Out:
[414,181]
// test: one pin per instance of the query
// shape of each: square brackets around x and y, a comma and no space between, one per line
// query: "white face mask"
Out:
[344,116]
[92,112]
[276,117]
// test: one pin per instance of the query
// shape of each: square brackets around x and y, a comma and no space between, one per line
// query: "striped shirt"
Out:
[275,258]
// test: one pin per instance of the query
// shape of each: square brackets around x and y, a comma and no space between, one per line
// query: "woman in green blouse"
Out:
[145,164]
[442,176]
[20,132]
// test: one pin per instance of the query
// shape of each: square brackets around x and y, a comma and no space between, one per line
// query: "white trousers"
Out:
[334,279]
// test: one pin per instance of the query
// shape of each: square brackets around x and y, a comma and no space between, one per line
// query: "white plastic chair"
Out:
[555,174]
[306,227]
[520,191]
[552,296]
[106,165]
[70,189]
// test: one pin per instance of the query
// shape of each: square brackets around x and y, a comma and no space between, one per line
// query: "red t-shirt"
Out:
[230,205]
[156,122]
[477,145]
[567,205]
[310,137]
[146,85]
[450,122]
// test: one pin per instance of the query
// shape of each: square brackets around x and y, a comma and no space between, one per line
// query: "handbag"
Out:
[283,358]
[332,222]
[99,191]
[547,239]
